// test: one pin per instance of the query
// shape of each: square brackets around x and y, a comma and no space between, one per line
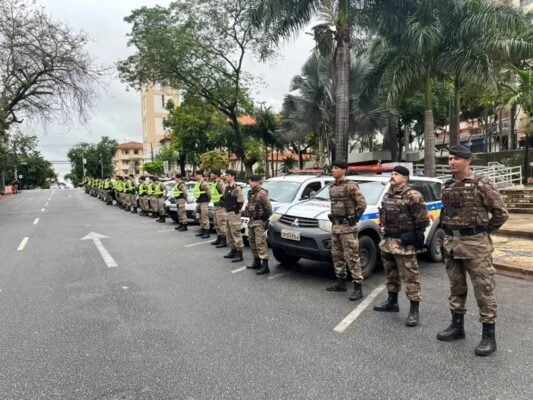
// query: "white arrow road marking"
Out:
[238,270]
[23,244]
[36,221]
[95,237]
[350,318]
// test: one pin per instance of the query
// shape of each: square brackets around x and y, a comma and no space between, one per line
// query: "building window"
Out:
[159,127]
[136,151]
[125,163]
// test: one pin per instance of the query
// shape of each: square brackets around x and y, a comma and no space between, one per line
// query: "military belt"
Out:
[464,231]
[349,220]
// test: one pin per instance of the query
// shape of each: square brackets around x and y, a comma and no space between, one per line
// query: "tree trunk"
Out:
[455,130]
[512,122]
[239,148]
[429,132]
[342,91]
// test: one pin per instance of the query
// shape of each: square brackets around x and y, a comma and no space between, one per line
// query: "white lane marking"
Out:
[166,230]
[95,237]
[69,195]
[46,204]
[23,244]
[124,287]
[198,244]
[238,270]
[275,276]
[350,318]
[42,209]
[36,221]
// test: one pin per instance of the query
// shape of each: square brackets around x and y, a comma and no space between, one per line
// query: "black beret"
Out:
[216,172]
[401,170]
[231,172]
[340,164]
[155,178]
[199,172]
[256,178]
[178,176]
[460,151]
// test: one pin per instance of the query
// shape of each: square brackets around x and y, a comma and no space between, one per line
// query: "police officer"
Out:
[119,189]
[180,194]
[218,186]
[143,196]
[158,200]
[259,210]
[128,188]
[404,218]
[472,209]
[133,194]
[347,205]
[233,201]
[202,195]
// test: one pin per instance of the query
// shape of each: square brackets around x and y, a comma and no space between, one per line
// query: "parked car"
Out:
[288,189]
[303,230]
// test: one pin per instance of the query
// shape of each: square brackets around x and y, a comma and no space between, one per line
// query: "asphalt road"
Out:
[172,321]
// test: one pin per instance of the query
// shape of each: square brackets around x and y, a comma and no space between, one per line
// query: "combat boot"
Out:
[412,318]
[200,232]
[238,256]
[487,345]
[161,219]
[223,243]
[256,264]
[357,292]
[178,228]
[183,228]
[339,286]
[216,242]
[231,253]
[264,268]
[455,331]
[206,234]
[134,211]
[390,305]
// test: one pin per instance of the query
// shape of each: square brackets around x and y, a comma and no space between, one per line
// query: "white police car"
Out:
[303,230]
[288,189]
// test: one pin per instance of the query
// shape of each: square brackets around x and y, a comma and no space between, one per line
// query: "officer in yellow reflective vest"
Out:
[202,195]
[107,191]
[180,195]
[119,189]
[143,196]
[133,194]
[128,186]
[158,199]
[218,186]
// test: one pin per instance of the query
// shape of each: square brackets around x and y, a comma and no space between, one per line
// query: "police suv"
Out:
[303,230]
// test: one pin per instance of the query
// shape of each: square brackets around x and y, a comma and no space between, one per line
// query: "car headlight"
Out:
[325,225]
[275,217]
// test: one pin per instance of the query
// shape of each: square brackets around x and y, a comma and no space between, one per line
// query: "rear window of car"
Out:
[372,191]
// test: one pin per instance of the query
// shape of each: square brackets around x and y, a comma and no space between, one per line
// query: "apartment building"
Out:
[154,100]
[129,158]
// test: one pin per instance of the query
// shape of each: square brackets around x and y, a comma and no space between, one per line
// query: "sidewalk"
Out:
[513,246]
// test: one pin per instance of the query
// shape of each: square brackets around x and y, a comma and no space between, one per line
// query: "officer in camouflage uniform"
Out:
[404,218]
[143,196]
[180,194]
[133,195]
[202,195]
[128,188]
[259,210]
[472,209]
[347,205]
[158,200]
[233,201]
[218,186]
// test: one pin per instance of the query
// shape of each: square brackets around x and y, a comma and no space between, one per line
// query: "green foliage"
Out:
[199,47]
[99,158]
[154,167]
[214,160]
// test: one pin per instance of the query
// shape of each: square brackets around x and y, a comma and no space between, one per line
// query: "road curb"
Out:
[513,271]
[515,234]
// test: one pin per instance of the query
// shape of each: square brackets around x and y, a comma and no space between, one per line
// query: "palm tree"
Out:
[480,36]
[282,19]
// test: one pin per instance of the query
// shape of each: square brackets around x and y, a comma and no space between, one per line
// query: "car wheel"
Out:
[368,253]
[284,258]
[435,246]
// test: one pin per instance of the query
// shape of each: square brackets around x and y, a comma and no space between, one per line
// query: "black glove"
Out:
[419,240]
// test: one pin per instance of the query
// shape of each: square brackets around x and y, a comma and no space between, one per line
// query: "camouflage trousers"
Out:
[345,252]
[126,199]
[258,242]
[402,268]
[481,274]
[157,205]
[133,200]
[144,202]
[203,209]
[182,210]
[233,230]
[220,221]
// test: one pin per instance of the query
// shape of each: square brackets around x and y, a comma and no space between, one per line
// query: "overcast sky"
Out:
[118,113]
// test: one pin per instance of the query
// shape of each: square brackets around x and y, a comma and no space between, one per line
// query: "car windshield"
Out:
[371,189]
[282,190]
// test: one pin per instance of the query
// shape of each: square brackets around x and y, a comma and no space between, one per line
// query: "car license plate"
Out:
[291,235]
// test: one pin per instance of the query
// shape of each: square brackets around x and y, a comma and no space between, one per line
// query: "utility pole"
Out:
[101,167]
